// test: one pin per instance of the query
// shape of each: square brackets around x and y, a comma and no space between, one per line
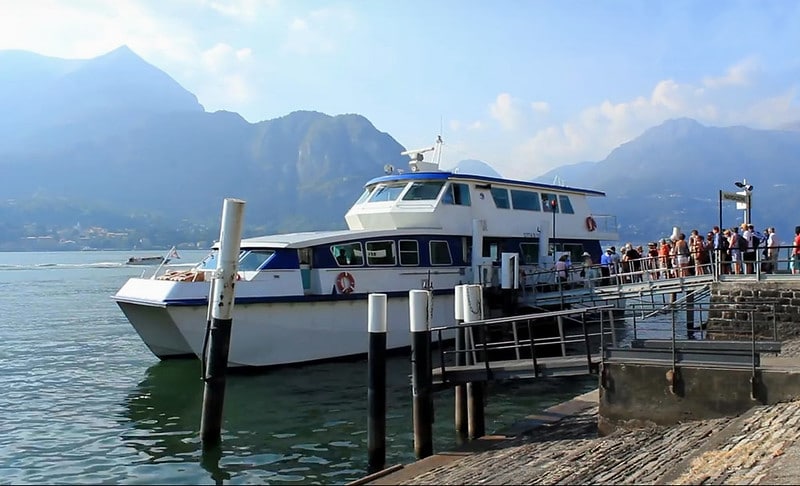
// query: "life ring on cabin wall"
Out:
[591,224]
[345,283]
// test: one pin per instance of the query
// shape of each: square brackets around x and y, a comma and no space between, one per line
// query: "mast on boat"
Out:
[418,164]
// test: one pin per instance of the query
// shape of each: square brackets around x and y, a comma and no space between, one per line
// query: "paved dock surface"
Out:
[562,446]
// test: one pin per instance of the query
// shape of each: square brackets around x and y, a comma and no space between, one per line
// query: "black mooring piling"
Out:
[376,384]
[460,416]
[419,302]
[473,311]
[219,337]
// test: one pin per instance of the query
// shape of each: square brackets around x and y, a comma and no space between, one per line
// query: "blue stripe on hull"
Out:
[283,298]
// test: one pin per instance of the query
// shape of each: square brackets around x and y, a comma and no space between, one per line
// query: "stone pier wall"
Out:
[775,306]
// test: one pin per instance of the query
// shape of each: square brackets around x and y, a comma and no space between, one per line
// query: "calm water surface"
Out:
[82,400]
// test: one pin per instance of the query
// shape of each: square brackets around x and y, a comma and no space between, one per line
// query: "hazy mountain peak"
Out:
[674,128]
[476,167]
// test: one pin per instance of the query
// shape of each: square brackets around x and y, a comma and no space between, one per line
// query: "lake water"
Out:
[82,400]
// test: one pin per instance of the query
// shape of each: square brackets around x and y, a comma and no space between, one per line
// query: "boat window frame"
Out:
[565,204]
[389,189]
[525,200]
[550,196]
[244,259]
[401,252]
[392,246]
[353,254]
[410,193]
[496,197]
[364,195]
[431,253]
[457,194]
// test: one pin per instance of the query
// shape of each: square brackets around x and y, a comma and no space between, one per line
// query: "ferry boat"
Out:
[302,297]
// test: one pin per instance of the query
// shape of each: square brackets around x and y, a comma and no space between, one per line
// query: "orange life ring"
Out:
[591,225]
[345,283]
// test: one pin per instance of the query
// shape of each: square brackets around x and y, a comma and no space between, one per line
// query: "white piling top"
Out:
[473,303]
[458,302]
[377,313]
[419,310]
[230,236]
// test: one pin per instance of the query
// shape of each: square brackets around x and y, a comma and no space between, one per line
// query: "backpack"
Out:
[741,243]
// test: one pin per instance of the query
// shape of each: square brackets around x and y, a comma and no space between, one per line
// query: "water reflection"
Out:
[304,424]
[300,425]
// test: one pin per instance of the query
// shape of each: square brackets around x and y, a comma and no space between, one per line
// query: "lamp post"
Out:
[748,189]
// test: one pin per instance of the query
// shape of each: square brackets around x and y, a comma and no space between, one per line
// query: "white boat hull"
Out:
[157,330]
[279,333]
[298,332]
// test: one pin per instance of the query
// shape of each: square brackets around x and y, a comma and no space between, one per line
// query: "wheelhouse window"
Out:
[456,193]
[409,252]
[348,254]
[252,260]
[209,262]
[423,191]
[380,253]
[566,204]
[387,192]
[529,253]
[440,253]
[549,202]
[500,196]
[364,195]
[526,200]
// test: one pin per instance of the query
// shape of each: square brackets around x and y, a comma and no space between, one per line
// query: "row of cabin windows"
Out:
[458,194]
[529,251]
[382,253]
[531,201]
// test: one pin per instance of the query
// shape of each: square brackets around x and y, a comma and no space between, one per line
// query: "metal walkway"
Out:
[578,341]
[567,295]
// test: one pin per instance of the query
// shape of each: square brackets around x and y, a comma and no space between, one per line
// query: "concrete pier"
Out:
[563,445]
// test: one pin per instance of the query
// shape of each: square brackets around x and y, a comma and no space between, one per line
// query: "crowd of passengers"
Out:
[731,251]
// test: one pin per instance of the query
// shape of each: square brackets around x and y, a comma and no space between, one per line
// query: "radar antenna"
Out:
[417,157]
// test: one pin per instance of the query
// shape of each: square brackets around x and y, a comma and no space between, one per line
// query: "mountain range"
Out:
[116,142]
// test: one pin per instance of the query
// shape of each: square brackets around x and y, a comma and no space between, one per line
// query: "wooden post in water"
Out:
[473,305]
[419,303]
[221,313]
[376,383]
[690,315]
[461,359]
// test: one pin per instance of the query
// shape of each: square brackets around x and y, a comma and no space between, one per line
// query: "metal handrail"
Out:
[485,347]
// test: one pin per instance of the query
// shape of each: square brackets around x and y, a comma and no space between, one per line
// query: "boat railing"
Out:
[605,223]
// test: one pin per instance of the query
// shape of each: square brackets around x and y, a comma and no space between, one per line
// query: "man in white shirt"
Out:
[749,255]
[772,250]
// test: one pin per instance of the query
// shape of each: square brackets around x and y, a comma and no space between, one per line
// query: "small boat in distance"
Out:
[154,260]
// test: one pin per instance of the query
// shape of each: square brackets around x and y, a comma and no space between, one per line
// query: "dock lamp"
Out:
[748,189]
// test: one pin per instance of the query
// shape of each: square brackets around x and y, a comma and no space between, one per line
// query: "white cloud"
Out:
[504,109]
[597,130]
[737,75]
[540,107]
[222,57]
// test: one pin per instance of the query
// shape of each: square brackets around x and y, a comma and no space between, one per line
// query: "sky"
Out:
[524,85]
